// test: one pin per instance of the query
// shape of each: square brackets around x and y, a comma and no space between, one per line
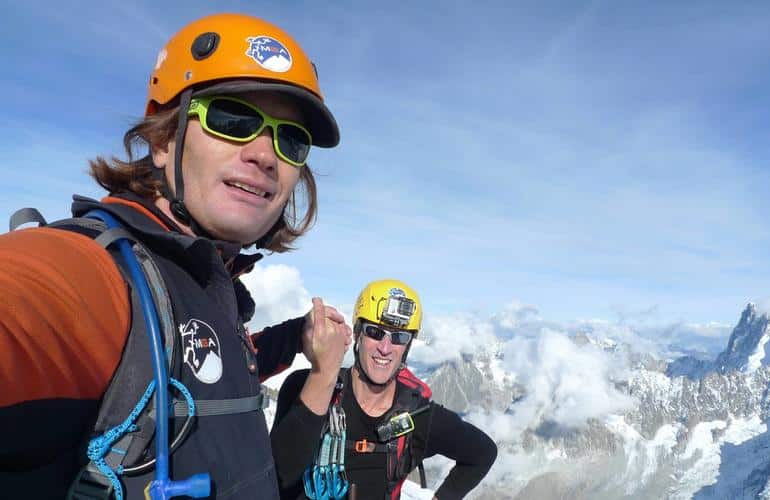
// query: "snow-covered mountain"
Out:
[591,408]
[692,428]
[745,352]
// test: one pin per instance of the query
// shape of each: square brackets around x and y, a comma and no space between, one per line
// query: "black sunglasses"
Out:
[397,337]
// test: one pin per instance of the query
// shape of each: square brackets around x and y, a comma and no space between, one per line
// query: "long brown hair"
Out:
[140,176]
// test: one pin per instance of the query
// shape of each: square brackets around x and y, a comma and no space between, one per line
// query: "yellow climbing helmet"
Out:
[390,303]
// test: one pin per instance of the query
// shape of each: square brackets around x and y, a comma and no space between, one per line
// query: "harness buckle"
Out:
[90,484]
[364,446]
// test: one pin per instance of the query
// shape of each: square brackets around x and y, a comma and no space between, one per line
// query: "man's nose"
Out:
[260,152]
[385,346]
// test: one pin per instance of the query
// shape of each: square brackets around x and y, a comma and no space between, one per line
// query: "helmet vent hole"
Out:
[154,80]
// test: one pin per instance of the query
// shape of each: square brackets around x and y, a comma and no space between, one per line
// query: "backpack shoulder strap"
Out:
[134,372]
[25,216]
[409,379]
[415,399]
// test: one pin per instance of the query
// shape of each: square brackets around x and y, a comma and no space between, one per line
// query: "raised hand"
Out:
[325,337]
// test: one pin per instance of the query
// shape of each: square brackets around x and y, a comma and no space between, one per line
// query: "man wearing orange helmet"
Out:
[380,423]
[233,109]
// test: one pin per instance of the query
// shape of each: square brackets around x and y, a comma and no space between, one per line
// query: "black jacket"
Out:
[212,363]
[296,431]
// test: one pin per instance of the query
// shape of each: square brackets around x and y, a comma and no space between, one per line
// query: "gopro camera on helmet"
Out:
[398,309]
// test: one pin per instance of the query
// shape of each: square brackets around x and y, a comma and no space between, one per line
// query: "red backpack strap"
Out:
[395,494]
[409,379]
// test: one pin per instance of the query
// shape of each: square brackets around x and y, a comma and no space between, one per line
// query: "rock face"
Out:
[458,386]
[697,429]
[745,352]
[747,348]
[471,384]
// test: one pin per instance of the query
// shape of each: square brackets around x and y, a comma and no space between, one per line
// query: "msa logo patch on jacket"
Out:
[201,351]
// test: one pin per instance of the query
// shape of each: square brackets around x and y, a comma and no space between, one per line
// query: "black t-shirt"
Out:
[296,433]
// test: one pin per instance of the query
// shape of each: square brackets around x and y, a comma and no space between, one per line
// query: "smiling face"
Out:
[235,191]
[380,359]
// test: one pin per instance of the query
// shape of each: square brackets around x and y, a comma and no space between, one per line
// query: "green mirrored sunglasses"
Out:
[238,120]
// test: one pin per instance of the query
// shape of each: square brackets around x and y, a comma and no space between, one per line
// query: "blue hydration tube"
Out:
[162,488]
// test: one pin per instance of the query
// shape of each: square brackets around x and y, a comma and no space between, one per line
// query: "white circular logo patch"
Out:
[269,53]
[201,351]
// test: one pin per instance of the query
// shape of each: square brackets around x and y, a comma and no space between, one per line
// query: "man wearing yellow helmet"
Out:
[232,111]
[377,423]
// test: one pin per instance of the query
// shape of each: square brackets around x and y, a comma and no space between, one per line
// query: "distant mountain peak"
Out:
[746,349]
[745,352]
[749,313]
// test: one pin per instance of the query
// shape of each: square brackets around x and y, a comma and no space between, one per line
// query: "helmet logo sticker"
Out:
[201,351]
[269,53]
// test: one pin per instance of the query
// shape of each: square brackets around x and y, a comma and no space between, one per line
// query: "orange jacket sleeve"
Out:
[64,316]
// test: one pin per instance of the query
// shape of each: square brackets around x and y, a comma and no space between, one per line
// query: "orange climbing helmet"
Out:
[232,53]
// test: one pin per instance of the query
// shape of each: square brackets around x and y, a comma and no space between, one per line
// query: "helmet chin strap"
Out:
[176,198]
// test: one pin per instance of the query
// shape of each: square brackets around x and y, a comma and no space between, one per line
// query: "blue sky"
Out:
[593,159]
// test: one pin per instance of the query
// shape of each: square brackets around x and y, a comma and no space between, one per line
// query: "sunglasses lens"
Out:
[293,142]
[398,337]
[232,119]
[373,332]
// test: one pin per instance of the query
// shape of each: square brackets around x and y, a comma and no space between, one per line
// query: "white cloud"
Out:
[278,293]
[501,427]
[565,383]
[629,334]
[662,340]
[448,338]
[712,329]
[516,313]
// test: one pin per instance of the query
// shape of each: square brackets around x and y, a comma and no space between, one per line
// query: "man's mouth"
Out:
[250,189]
[381,361]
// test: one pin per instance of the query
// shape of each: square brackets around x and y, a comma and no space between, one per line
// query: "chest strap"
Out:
[214,407]
[365,446]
